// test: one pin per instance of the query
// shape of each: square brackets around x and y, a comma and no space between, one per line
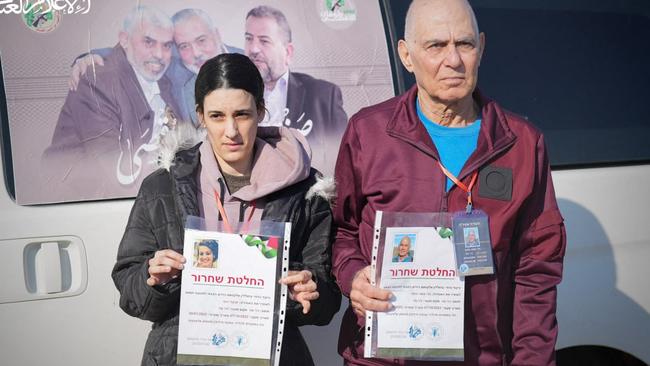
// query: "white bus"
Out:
[577,69]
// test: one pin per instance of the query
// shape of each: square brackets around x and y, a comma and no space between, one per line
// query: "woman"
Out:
[254,173]
[206,254]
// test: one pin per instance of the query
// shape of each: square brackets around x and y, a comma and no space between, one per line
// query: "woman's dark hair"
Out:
[229,71]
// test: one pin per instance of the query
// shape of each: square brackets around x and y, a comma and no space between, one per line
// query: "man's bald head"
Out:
[423,8]
[443,49]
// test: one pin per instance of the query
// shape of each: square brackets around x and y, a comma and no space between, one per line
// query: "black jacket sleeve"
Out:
[314,233]
[130,273]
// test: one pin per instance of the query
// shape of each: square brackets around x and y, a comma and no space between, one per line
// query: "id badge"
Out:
[472,243]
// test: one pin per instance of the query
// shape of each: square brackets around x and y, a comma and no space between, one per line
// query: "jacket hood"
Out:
[282,158]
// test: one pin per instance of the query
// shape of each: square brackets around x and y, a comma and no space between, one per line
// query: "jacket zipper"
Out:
[221,197]
[479,163]
[242,210]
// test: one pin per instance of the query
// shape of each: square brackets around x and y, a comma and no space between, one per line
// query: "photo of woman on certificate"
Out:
[229,171]
[206,253]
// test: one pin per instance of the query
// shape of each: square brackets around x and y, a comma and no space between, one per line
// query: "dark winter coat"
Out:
[156,222]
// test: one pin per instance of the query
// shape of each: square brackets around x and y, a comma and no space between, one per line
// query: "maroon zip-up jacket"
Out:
[388,162]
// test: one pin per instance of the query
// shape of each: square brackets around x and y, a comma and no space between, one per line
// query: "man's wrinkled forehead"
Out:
[189,29]
[265,26]
[440,18]
[153,32]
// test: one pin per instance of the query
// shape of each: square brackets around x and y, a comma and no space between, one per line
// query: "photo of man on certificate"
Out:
[404,248]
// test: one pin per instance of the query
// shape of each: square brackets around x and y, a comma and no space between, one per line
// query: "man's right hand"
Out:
[365,297]
[164,266]
[80,67]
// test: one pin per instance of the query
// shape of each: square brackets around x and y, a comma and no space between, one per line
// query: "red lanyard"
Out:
[462,185]
[226,223]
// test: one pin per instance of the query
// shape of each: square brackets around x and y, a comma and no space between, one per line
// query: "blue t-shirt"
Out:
[454,144]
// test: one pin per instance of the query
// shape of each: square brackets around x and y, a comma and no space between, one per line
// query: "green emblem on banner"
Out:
[333,4]
[41,18]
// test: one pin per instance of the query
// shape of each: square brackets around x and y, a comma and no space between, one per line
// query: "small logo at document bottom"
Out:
[240,340]
[415,332]
[219,339]
[463,268]
[435,331]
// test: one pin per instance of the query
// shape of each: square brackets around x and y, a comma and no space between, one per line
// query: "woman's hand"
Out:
[164,266]
[302,288]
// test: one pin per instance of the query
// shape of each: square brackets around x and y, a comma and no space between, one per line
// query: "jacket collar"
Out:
[295,99]
[183,172]
[495,135]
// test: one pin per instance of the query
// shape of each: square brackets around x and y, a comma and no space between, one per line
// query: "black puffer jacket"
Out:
[165,199]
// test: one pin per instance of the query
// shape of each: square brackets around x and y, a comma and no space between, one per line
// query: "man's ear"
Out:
[217,37]
[123,37]
[404,55]
[289,49]
[481,39]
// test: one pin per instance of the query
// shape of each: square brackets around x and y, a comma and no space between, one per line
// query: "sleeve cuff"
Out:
[346,274]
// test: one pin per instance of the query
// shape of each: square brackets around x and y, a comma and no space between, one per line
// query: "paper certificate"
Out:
[231,299]
[417,264]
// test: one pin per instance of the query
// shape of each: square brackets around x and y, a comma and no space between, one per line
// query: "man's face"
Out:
[471,237]
[148,49]
[196,43]
[444,51]
[266,47]
[404,247]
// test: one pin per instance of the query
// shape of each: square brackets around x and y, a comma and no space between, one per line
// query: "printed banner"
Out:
[91,92]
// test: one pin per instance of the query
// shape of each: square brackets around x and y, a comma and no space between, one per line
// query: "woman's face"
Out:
[231,117]
[205,257]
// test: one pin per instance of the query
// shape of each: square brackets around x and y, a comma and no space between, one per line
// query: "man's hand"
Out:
[365,297]
[164,266]
[80,67]
[302,288]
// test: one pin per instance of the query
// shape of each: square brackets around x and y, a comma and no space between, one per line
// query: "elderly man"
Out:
[444,122]
[313,106]
[197,40]
[109,126]
[403,250]
[471,239]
